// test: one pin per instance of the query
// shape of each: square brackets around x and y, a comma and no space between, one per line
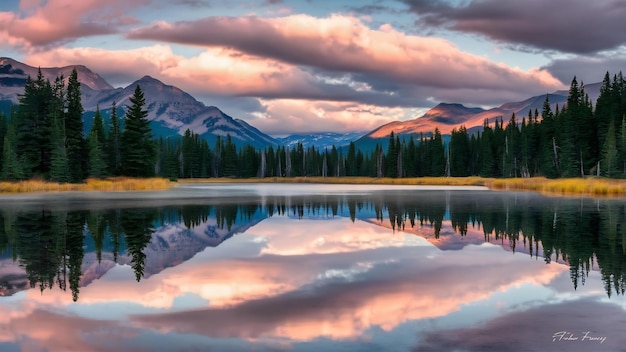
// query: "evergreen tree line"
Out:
[575,140]
[43,137]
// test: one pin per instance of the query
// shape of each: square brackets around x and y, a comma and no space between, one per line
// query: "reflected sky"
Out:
[333,277]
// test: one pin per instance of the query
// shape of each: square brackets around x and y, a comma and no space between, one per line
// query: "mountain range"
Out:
[172,111]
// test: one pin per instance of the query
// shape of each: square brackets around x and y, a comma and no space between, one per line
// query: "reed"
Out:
[103,185]
[572,186]
[569,186]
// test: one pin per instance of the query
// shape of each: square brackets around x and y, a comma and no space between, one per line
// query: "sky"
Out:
[296,66]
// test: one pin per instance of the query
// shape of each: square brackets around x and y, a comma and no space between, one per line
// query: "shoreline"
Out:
[592,187]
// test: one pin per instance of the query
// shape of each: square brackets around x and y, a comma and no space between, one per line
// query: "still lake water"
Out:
[282,267]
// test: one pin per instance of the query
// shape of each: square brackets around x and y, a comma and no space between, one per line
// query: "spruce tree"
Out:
[548,147]
[97,161]
[610,166]
[98,128]
[11,167]
[438,154]
[75,142]
[459,152]
[137,147]
[96,144]
[59,169]
[3,132]
[33,126]
[391,160]
[113,144]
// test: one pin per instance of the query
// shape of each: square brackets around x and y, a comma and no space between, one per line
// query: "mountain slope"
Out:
[13,75]
[170,110]
[447,117]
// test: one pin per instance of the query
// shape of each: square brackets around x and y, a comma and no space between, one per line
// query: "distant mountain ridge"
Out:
[324,140]
[170,110]
[446,117]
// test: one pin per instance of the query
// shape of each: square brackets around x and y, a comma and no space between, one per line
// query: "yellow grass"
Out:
[357,180]
[569,186]
[444,181]
[110,184]
[574,186]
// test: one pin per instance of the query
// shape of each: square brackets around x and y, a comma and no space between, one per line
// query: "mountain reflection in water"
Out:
[304,267]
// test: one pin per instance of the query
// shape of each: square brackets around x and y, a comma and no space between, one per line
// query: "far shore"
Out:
[603,187]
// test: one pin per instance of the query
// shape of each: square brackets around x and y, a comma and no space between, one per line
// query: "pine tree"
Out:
[459,151]
[438,161]
[33,126]
[605,104]
[96,144]
[97,161]
[97,128]
[230,159]
[391,160]
[610,165]
[11,167]
[351,167]
[59,169]
[512,151]
[75,142]
[114,144]
[137,147]
[549,157]
[487,159]
[3,132]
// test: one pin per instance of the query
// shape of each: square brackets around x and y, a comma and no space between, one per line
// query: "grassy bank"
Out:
[569,186]
[436,181]
[576,186]
[103,185]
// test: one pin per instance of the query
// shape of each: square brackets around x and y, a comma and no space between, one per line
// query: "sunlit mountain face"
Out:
[308,267]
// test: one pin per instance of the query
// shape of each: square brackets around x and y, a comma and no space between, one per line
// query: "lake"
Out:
[304,267]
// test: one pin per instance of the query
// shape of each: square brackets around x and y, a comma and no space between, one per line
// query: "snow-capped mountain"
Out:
[171,110]
[175,110]
[321,140]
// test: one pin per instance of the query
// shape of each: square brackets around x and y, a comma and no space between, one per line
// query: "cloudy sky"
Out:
[314,65]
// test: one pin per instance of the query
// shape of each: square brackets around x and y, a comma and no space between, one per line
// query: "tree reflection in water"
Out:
[585,233]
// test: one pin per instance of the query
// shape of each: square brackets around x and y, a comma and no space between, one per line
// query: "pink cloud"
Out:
[311,74]
[351,307]
[56,21]
[342,43]
[284,115]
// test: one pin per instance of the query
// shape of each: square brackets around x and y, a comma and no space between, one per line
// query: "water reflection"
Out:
[585,233]
[360,271]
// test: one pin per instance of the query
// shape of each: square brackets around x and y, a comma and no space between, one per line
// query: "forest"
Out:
[43,138]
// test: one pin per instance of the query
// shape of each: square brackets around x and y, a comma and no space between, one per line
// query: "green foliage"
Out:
[44,138]
[137,147]
[459,154]
[75,144]
[33,124]
[97,161]
[114,156]
[11,167]
[59,168]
